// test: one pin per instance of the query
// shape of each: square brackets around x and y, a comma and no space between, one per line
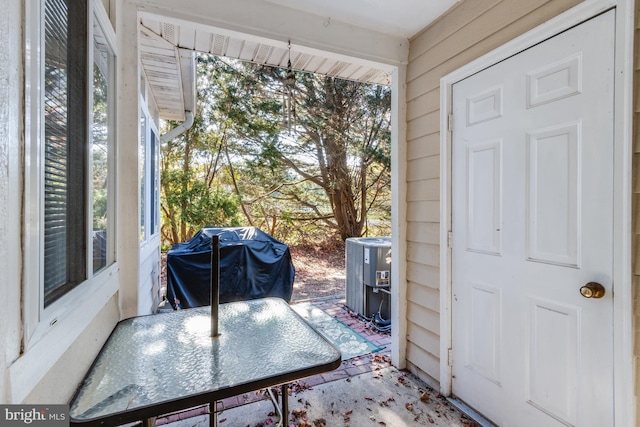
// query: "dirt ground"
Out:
[320,272]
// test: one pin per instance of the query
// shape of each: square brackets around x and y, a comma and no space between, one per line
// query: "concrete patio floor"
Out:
[386,397]
[363,391]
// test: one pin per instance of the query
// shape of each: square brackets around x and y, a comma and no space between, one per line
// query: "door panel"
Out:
[553,377]
[484,197]
[552,179]
[532,184]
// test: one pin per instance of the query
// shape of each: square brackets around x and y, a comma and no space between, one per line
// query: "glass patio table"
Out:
[158,364]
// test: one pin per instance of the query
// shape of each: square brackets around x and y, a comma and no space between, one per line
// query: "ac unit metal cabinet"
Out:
[355,286]
[376,260]
[368,261]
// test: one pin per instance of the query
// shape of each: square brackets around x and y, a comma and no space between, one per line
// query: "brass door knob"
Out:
[592,290]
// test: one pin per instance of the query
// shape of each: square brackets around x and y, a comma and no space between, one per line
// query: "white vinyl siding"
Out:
[636,207]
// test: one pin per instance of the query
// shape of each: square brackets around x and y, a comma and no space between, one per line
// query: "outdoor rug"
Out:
[349,342]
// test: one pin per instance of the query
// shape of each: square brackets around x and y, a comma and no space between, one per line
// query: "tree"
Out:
[320,171]
[344,127]
[331,166]
[193,193]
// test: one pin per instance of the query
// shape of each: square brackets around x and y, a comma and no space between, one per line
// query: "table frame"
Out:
[150,412]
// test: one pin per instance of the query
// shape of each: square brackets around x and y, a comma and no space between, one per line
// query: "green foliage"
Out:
[318,173]
[197,204]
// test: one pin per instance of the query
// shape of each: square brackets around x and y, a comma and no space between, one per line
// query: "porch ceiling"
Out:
[171,75]
[191,37]
[167,46]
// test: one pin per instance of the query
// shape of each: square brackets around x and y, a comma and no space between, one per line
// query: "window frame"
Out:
[76,307]
[149,190]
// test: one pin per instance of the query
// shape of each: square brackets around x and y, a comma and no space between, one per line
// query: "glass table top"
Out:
[151,360]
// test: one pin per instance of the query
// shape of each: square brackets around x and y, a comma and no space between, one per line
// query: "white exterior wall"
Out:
[48,365]
[10,187]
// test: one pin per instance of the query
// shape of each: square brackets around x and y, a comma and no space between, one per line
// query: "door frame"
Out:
[624,403]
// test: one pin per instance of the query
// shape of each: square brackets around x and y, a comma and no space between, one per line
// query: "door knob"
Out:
[592,290]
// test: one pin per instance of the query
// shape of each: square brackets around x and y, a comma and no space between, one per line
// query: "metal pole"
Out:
[215,283]
[285,405]
[213,414]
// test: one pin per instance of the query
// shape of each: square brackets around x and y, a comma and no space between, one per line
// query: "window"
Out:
[65,135]
[70,170]
[101,137]
[142,173]
[154,190]
[149,174]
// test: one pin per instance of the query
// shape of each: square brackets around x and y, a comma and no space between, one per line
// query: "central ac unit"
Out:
[368,261]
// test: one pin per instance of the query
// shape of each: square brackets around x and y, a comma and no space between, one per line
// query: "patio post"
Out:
[215,283]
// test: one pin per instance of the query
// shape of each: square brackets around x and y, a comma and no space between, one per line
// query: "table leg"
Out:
[149,422]
[285,405]
[213,414]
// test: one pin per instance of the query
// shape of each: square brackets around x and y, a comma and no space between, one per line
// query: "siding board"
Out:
[428,341]
[424,296]
[424,232]
[428,145]
[423,253]
[428,189]
[427,362]
[425,103]
[423,168]
[427,211]
[422,124]
[420,315]
[423,275]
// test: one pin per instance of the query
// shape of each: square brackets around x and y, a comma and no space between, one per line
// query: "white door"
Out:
[532,205]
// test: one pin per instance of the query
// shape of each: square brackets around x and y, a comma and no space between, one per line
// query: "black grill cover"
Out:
[253,265]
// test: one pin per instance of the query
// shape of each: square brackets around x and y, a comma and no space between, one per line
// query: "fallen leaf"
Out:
[299,413]
[409,407]
[424,397]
